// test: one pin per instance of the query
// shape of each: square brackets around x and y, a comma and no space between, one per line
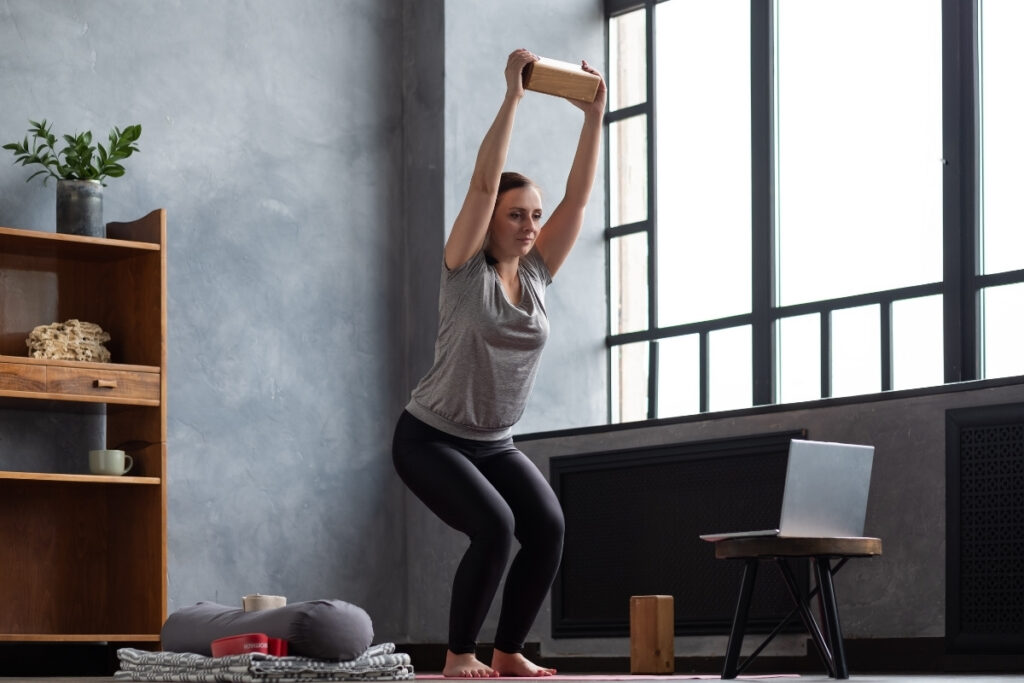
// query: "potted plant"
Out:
[80,168]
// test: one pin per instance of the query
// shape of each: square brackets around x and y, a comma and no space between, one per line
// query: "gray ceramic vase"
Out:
[80,208]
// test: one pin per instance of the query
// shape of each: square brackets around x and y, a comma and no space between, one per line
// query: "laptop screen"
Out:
[826,489]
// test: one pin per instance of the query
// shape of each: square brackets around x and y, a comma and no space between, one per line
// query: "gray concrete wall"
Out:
[272,134]
[899,595]
[311,156]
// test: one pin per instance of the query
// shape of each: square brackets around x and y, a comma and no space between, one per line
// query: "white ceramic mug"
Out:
[256,602]
[110,462]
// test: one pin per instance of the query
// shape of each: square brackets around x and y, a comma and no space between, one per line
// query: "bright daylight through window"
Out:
[780,225]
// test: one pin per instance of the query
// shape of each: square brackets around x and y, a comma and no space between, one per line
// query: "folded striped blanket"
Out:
[378,663]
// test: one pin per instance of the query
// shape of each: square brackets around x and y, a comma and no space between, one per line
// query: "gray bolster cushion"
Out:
[322,629]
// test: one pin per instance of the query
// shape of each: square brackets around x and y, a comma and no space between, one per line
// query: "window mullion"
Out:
[826,354]
[885,325]
[960,188]
[652,380]
[705,381]
[652,217]
[762,224]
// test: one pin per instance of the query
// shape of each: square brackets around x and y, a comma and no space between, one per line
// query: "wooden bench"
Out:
[828,637]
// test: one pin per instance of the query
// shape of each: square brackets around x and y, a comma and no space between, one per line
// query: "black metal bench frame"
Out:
[826,636]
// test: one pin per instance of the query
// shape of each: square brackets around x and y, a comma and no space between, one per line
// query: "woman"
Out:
[453,446]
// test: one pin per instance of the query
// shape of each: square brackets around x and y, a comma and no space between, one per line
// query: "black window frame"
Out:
[961,284]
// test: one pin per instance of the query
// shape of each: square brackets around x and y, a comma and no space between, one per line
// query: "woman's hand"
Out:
[597,106]
[517,61]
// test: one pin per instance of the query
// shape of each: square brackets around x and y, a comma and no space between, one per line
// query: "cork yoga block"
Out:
[562,79]
[651,634]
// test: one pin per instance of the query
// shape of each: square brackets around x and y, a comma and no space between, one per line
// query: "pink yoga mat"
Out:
[613,677]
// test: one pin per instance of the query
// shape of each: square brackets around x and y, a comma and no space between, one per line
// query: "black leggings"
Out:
[489,491]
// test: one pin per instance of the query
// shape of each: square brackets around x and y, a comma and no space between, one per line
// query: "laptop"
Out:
[826,492]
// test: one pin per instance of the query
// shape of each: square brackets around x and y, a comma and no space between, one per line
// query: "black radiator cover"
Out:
[985,529]
[633,521]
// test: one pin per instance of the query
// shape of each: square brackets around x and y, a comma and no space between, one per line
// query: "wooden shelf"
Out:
[86,365]
[57,245]
[85,556]
[79,637]
[78,478]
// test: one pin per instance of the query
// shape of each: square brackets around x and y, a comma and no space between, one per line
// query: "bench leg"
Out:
[739,620]
[805,615]
[831,609]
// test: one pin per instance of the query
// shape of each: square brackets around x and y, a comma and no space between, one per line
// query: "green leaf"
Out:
[79,159]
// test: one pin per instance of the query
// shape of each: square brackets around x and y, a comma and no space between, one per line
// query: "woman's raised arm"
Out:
[470,227]
[559,234]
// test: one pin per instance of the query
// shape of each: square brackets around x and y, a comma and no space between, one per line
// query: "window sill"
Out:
[956,387]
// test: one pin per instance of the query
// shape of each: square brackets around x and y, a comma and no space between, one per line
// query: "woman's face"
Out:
[516,222]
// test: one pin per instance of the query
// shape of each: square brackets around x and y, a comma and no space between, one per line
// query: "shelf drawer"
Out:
[122,384]
[22,377]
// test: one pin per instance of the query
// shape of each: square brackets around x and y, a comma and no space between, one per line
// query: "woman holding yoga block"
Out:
[453,446]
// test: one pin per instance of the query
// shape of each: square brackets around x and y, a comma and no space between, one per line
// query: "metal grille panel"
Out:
[633,520]
[985,528]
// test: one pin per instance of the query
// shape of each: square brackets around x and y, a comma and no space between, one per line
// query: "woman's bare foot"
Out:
[515,664]
[466,666]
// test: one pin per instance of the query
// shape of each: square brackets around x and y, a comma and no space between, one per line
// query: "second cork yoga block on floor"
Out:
[651,634]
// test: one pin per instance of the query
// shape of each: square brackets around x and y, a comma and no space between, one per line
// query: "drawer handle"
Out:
[105,383]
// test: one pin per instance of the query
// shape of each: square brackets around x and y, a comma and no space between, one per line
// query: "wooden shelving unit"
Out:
[84,557]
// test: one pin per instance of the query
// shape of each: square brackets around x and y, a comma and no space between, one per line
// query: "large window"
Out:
[811,198]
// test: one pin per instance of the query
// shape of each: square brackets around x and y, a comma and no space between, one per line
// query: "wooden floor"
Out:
[854,678]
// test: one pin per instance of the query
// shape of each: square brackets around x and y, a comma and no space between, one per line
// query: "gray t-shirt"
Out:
[487,350]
